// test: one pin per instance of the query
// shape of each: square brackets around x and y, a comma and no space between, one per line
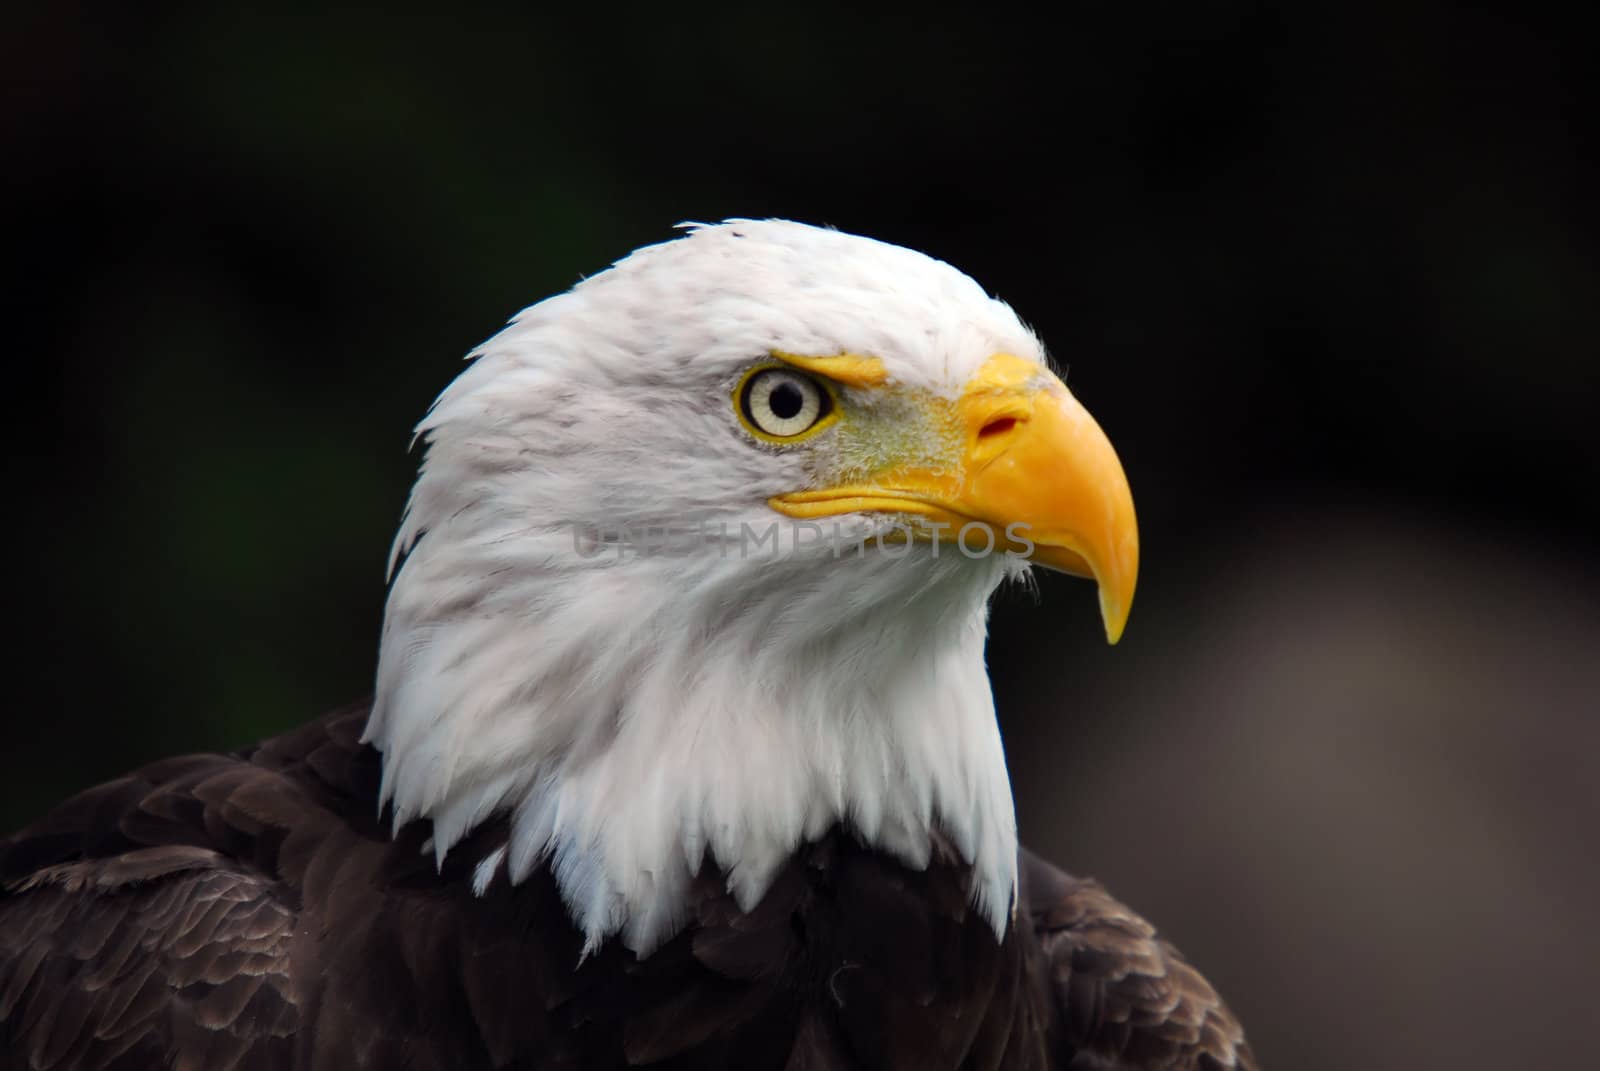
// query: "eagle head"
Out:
[697,563]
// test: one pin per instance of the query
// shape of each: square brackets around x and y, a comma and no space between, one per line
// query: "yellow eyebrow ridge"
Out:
[850,369]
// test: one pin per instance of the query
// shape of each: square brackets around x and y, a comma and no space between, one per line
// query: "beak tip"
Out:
[1115,617]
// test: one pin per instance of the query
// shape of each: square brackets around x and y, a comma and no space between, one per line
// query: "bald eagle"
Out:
[682,751]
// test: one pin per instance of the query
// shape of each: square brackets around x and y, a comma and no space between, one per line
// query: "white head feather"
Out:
[639,714]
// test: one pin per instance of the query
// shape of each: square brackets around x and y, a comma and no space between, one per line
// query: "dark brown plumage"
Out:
[253,911]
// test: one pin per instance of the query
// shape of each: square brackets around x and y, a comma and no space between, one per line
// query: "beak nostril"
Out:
[997,426]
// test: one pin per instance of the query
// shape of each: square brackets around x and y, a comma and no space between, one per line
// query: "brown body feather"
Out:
[252,911]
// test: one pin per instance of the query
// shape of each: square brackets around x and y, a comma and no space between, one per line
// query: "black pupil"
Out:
[785,400]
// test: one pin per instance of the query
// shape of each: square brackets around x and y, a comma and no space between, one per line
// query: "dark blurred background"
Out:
[1328,278]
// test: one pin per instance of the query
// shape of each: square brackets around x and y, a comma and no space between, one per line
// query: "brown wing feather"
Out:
[134,960]
[146,922]
[1124,998]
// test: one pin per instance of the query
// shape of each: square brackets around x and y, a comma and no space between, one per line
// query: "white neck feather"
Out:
[638,716]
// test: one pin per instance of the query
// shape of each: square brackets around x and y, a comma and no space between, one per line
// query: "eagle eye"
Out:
[780,403]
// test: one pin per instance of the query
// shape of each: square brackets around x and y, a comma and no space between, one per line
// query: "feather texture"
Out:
[249,911]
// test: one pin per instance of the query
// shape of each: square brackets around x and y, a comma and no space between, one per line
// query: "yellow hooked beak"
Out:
[1036,476]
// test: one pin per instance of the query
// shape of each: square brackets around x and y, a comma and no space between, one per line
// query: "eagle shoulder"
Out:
[118,953]
[164,918]
[1123,997]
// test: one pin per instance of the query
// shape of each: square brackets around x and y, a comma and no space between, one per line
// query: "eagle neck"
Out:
[655,718]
